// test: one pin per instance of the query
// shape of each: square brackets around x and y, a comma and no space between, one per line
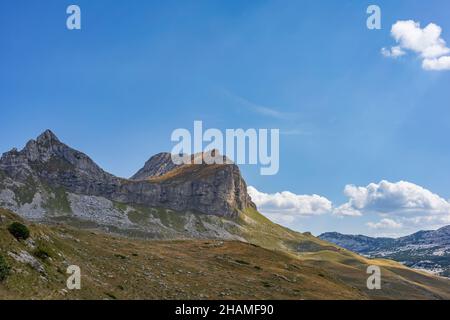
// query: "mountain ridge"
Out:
[427,249]
[222,192]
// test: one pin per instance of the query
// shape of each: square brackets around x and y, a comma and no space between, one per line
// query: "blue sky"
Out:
[138,70]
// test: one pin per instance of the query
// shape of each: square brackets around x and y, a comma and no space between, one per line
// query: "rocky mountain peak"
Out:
[211,189]
[40,149]
[47,156]
[161,163]
[156,166]
[47,137]
[43,148]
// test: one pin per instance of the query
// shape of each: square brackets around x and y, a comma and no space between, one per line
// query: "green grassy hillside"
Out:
[289,266]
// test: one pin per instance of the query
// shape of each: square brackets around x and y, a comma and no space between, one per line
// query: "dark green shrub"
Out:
[19,231]
[4,269]
[42,253]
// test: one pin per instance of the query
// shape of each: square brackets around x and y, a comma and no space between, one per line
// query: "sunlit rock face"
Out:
[46,164]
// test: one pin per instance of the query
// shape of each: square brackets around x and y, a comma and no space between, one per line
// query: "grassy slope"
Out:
[398,281]
[115,267]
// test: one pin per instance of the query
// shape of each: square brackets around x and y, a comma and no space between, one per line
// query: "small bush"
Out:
[4,269]
[19,231]
[42,253]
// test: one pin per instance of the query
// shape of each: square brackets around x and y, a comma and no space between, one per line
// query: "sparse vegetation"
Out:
[4,269]
[120,206]
[58,201]
[19,231]
[25,193]
[121,268]
[167,217]
[42,252]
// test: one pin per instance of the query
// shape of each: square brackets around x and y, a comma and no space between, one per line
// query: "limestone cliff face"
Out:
[211,189]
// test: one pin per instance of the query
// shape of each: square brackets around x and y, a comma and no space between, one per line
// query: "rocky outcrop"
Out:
[49,158]
[157,166]
[211,189]
[26,258]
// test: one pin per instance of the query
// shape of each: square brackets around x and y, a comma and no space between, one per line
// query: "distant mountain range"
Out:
[426,250]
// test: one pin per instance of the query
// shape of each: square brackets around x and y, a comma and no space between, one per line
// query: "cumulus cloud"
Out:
[442,63]
[286,206]
[393,52]
[400,205]
[400,198]
[385,224]
[347,209]
[426,42]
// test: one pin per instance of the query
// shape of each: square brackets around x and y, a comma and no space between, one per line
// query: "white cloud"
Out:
[400,198]
[393,52]
[287,205]
[385,224]
[442,63]
[402,206]
[347,210]
[426,42]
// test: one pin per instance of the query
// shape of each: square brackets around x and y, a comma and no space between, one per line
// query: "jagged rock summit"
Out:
[47,162]
[157,166]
